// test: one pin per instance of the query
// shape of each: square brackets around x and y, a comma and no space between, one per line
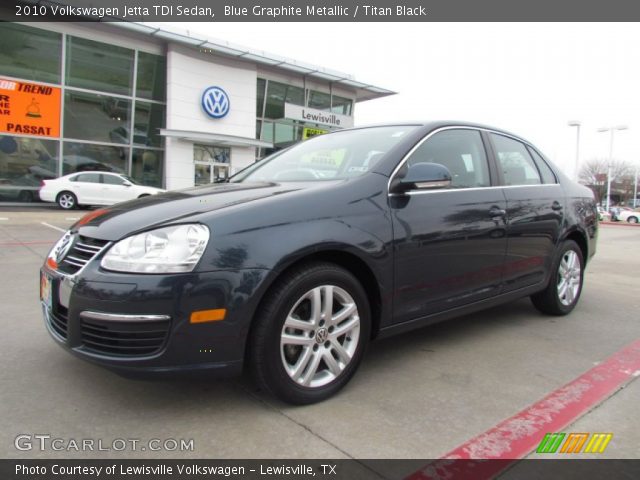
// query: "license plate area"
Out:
[46,290]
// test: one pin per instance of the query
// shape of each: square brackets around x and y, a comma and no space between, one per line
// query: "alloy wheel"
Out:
[66,201]
[569,278]
[320,336]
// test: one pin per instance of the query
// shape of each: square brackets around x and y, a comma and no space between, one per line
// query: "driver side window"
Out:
[461,151]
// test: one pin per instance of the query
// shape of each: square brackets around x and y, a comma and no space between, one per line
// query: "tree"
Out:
[593,173]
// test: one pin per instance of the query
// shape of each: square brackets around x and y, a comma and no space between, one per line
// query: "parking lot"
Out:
[418,395]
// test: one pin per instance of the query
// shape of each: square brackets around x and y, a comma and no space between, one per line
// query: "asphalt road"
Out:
[418,395]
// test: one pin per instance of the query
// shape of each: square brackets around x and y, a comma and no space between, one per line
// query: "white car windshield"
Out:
[334,156]
[129,179]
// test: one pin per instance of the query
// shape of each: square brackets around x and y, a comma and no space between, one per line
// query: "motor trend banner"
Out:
[29,109]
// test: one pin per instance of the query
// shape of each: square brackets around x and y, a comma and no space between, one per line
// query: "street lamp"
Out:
[610,129]
[576,123]
[635,188]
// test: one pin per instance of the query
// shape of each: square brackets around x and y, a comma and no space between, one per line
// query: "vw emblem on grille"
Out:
[215,102]
[62,248]
[321,335]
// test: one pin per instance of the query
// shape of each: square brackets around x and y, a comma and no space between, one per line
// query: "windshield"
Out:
[334,156]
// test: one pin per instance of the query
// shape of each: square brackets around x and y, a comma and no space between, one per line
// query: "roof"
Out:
[364,91]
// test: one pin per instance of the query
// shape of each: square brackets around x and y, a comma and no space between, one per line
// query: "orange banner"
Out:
[29,108]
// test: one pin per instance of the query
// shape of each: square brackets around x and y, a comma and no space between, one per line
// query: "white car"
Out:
[92,188]
[631,216]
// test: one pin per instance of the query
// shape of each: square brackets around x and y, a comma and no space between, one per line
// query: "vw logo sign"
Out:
[215,102]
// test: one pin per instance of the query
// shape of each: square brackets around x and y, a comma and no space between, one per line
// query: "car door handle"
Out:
[556,206]
[497,212]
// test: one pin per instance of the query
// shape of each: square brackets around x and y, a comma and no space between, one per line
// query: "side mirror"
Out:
[423,176]
[126,184]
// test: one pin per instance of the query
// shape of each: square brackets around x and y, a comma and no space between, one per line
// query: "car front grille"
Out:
[81,252]
[58,320]
[130,339]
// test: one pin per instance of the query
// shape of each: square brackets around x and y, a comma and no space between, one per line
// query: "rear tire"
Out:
[632,219]
[310,333]
[565,285]
[67,200]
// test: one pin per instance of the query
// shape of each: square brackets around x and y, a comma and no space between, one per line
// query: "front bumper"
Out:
[138,325]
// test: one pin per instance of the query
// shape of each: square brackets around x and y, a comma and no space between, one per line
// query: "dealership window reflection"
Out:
[82,157]
[152,76]
[30,53]
[148,121]
[99,66]
[147,167]
[100,118]
[24,163]
[278,94]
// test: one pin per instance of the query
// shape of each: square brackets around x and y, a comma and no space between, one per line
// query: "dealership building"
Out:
[169,109]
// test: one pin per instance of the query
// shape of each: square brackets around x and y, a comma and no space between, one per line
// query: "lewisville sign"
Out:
[311,115]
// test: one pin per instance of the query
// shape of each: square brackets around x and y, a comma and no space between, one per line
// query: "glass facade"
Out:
[24,163]
[271,126]
[152,76]
[113,105]
[30,53]
[99,66]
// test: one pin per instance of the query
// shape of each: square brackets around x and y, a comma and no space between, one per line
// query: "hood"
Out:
[122,219]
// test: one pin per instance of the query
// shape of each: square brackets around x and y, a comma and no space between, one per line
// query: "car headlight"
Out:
[165,250]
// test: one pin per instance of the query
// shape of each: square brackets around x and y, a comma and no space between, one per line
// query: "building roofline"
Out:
[364,91]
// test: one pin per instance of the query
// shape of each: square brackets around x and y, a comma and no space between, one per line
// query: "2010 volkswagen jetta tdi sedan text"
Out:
[297,262]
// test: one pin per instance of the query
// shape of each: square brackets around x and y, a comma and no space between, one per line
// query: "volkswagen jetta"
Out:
[297,262]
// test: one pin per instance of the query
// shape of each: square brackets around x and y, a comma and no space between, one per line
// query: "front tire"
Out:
[565,285]
[632,219]
[310,333]
[67,200]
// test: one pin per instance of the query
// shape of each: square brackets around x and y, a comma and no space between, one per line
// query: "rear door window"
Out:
[88,178]
[518,168]
[548,176]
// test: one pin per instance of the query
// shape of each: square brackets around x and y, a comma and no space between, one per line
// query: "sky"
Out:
[527,78]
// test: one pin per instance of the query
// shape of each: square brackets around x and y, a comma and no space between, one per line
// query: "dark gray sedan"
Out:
[296,263]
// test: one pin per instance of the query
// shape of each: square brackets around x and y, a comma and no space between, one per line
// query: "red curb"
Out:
[519,435]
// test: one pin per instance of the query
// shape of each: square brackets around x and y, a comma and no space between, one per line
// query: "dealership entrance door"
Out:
[211,163]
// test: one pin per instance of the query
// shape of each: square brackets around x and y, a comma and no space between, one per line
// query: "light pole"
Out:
[635,188]
[610,129]
[576,123]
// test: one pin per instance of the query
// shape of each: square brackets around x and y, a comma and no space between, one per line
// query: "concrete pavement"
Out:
[418,395]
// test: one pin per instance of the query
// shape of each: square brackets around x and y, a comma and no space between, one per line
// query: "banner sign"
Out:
[312,132]
[29,109]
